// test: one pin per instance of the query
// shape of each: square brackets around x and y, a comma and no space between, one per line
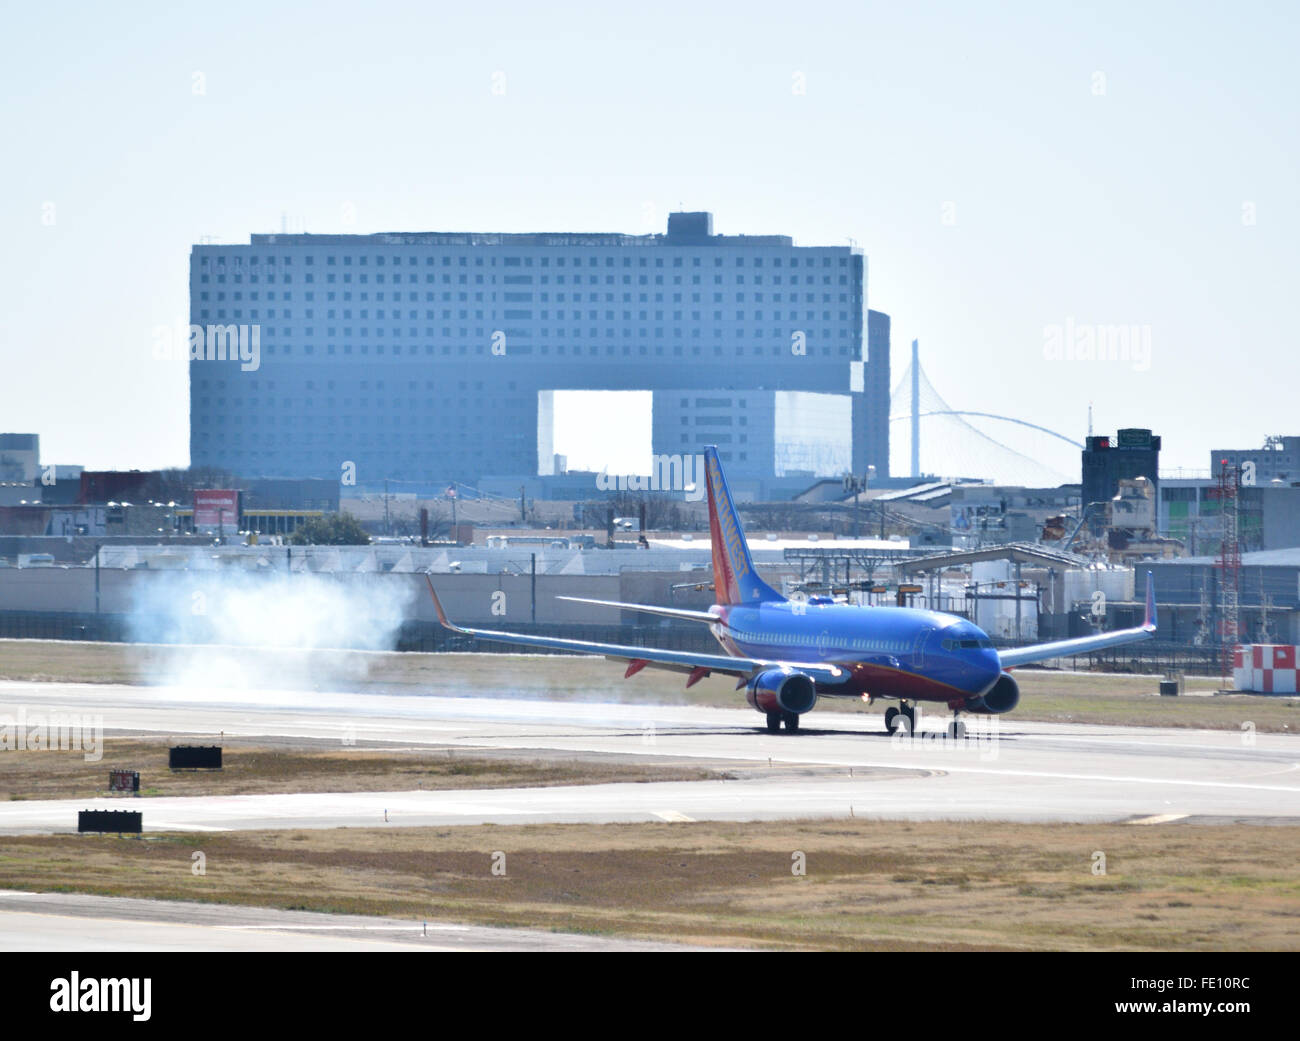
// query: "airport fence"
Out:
[1145,658]
[412,636]
[1151,658]
[63,625]
[429,636]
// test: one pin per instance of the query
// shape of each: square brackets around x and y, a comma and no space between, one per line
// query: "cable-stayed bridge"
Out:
[928,436]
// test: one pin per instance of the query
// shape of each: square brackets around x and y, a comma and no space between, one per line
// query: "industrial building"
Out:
[1267,499]
[19,456]
[68,501]
[1130,454]
[1267,595]
[1277,461]
[429,357]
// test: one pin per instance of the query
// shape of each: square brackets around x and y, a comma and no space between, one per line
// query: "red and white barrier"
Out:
[1265,668]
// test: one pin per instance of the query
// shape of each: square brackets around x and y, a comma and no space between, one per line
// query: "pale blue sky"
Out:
[1121,207]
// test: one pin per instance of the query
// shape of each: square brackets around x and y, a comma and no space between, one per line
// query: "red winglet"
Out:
[437,604]
[635,666]
[696,676]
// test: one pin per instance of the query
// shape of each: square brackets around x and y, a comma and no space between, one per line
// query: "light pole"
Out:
[856,485]
[871,472]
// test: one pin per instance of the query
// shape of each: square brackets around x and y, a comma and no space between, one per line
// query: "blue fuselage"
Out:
[891,651]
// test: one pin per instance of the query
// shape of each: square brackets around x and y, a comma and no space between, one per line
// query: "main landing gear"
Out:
[904,715]
[775,719]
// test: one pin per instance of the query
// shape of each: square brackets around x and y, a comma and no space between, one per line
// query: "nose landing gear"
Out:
[905,716]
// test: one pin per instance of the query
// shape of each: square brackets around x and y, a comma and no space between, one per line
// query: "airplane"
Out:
[787,653]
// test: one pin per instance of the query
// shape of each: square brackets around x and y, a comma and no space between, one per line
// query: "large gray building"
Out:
[1277,462]
[434,356]
[20,457]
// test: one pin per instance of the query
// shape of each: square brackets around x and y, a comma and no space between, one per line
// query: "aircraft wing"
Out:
[1084,644]
[640,657]
[667,612]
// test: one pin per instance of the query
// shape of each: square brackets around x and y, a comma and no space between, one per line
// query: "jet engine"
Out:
[782,690]
[1003,696]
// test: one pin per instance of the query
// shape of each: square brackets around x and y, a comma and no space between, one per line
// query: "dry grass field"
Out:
[256,767]
[869,885]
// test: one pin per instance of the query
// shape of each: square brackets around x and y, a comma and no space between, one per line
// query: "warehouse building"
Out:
[1189,593]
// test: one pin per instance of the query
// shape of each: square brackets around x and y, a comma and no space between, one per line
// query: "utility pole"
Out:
[1017,601]
[533,587]
[523,512]
[98,546]
[388,528]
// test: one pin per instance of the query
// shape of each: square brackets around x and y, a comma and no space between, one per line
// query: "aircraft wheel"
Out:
[791,721]
[773,722]
[891,719]
[957,730]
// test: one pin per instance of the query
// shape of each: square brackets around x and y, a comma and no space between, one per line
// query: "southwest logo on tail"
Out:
[734,579]
[787,654]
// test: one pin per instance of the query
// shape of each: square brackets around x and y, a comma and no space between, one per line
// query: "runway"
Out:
[841,765]
[75,922]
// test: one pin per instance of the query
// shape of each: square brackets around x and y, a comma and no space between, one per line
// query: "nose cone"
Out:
[977,659]
[989,667]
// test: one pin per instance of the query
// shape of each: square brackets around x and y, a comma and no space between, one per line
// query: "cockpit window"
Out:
[967,644]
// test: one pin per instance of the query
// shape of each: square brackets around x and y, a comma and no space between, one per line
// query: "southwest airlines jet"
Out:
[787,653]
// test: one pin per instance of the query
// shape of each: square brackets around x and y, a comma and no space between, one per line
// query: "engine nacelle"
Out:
[1003,696]
[782,690]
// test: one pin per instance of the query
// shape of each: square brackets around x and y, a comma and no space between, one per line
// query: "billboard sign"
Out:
[1133,437]
[216,510]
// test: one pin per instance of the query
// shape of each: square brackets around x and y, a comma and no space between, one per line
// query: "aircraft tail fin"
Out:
[734,579]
